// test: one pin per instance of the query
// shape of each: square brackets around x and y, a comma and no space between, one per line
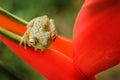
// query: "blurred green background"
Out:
[64,12]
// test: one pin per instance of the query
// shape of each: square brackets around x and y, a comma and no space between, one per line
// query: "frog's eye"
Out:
[47,28]
[33,40]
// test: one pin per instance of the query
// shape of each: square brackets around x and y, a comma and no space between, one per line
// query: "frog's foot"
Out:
[53,36]
[23,41]
[42,48]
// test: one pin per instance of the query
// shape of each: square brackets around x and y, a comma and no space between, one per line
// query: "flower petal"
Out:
[96,37]
[50,63]
[63,45]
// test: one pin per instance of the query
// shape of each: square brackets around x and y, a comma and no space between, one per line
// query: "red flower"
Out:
[96,44]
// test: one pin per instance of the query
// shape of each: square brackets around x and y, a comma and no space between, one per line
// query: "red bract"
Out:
[96,38]
[52,64]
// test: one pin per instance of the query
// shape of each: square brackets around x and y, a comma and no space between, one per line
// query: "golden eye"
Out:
[33,40]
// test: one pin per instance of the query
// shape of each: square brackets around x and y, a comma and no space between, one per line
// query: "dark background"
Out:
[64,12]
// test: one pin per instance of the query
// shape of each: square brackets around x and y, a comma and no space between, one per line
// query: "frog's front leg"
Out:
[24,39]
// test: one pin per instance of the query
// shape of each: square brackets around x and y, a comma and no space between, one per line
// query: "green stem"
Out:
[10,34]
[15,18]
[11,16]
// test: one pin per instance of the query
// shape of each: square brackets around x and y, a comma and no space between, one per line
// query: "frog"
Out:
[40,33]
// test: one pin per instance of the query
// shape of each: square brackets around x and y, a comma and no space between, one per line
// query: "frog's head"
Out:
[39,43]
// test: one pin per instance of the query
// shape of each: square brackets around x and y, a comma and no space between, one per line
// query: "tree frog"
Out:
[40,33]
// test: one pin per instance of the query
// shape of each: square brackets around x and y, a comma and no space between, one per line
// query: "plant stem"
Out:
[10,34]
[8,14]
[7,32]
